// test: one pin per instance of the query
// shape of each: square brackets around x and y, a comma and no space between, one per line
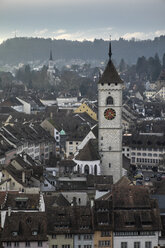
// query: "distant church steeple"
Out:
[51,69]
[51,57]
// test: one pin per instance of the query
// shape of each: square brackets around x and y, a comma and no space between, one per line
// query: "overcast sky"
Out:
[82,19]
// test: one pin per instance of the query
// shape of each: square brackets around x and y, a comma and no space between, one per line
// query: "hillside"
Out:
[23,50]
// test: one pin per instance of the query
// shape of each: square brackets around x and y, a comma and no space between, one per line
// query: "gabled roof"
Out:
[127,196]
[20,201]
[12,101]
[24,223]
[110,75]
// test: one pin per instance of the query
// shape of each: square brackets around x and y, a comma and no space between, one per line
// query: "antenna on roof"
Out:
[110,50]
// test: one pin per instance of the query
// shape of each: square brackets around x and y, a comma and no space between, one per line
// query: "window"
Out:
[87,236]
[70,142]
[109,100]
[104,243]
[124,245]
[133,159]
[39,243]
[86,169]
[144,154]
[65,246]
[27,244]
[16,244]
[148,244]
[109,165]
[87,246]
[8,244]
[105,234]
[136,244]
[79,237]
[34,233]
[68,236]
[53,236]
[54,246]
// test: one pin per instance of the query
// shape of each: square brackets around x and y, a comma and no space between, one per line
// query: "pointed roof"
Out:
[89,152]
[110,75]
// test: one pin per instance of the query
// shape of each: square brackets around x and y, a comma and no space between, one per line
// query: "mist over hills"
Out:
[23,50]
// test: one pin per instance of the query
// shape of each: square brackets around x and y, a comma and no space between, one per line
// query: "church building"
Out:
[109,116]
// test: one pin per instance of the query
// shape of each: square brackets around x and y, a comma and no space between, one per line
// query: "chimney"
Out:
[25,157]
[51,115]
[9,211]
[23,176]
[92,203]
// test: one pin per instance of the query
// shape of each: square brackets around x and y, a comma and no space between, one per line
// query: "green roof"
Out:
[62,132]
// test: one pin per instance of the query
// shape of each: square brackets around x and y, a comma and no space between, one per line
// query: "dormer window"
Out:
[109,100]
[34,233]
[14,233]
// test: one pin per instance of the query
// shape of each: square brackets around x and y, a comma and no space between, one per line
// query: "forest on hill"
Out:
[23,50]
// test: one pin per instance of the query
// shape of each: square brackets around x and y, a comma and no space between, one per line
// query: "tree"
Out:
[141,67]
[163,62]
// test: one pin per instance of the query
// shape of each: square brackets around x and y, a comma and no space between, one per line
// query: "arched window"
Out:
[95,170]
[86,169]
[109,100]
[78,168]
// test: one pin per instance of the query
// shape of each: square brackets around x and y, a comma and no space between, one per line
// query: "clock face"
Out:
[109,114]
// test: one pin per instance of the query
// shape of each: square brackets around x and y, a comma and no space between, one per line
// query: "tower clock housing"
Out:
[110,126]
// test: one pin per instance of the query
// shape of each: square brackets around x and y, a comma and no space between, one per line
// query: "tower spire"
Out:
[51,57]
[110,50]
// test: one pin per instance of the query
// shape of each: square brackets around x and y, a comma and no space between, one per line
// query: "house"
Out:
[20,202]
[21,176]
[70,226]
[55,130]
[7,151]
[136,217]
[13,103]
[84,107]
[31,139]
[103,223]
[67,102]
[31,104]
[145,150]
[25,229]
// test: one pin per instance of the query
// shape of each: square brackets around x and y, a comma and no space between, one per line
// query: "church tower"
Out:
[51,70]
[110,126]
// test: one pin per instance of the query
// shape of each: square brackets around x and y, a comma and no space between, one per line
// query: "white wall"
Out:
[131,239]
[91,165]
[26,106]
